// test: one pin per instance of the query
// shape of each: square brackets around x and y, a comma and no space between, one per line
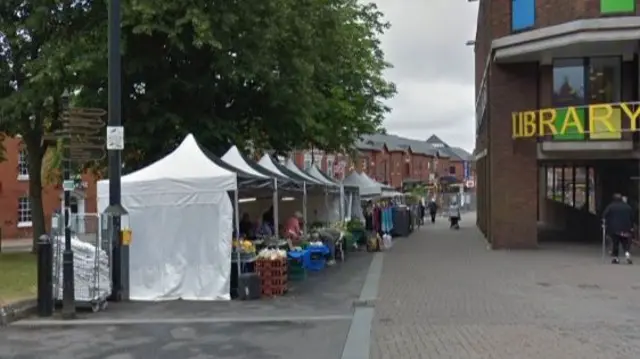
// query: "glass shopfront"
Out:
[574,186]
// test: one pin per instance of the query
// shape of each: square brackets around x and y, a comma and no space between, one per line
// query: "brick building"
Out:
[15,205]
[392,160]
[556,98]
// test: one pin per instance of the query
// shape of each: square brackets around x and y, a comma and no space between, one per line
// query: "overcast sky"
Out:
[433,69]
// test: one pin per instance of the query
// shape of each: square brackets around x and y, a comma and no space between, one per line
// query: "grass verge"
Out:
[18,278]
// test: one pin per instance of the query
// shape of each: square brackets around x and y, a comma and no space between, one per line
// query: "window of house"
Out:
[452,170]
[23,165]
[365,164]
[24,212]
[308,161]
[330,163]
[383,170]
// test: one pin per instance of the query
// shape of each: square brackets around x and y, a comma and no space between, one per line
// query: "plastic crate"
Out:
[272,272]
[262,263]
[297,273]
[316,265]
[273,291]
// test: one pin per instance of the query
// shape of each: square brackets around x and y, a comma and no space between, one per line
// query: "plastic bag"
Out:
[387,241]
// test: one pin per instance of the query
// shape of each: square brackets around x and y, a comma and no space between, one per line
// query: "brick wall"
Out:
[12,188]
[513,164]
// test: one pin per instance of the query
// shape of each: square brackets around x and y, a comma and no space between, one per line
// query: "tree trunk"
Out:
[34,155]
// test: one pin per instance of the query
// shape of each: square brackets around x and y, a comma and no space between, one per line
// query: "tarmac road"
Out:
[309,340]
[311,321]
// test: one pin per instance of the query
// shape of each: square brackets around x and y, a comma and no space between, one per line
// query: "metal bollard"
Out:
[45,276]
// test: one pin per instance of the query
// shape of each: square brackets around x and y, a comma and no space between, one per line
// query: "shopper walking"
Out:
[433,209]
[619,222]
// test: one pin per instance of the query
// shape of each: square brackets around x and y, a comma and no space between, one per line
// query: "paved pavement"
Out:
[444,295]
[310,322]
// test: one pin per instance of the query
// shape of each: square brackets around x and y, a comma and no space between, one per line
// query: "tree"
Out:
[278,74]
[40,54]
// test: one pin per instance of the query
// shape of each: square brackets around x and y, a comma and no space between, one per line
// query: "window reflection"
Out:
[550,182]
[557,184]
[592,190]
[568,186]
[568,82]
[581,187]
[605,79]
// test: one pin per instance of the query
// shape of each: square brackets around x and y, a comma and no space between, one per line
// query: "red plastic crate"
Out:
[272,272]
[271,264]
[274,290]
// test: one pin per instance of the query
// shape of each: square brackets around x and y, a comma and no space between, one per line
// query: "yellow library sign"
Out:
[599,121]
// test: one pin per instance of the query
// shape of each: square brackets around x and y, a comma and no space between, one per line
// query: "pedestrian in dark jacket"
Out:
[433,209]
[619,221]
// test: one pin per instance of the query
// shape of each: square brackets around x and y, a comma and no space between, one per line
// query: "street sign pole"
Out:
[68,285]
[120,253]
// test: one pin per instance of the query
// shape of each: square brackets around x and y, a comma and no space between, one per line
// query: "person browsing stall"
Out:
[293,227]
[246,227]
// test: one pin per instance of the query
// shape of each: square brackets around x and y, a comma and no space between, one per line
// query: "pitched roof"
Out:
[435,140]
[394,143]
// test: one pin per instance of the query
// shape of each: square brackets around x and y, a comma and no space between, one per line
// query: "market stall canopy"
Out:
[392,194]
[314,172]
[244,179]
[364,186]
[373,182]
[177,206]
[269,163]
[238,160]
[186,169]
[291,166]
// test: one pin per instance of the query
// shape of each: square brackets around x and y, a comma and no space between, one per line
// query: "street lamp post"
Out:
[68,279]
[120,252]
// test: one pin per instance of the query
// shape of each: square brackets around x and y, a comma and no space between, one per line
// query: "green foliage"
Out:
[279,74]
[276,74]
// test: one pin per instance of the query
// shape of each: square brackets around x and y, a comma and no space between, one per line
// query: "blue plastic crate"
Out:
[316,265]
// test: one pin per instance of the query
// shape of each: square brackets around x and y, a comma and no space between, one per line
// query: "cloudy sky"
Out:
[433,69]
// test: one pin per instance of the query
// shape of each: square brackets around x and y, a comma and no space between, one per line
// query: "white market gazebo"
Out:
[181,217]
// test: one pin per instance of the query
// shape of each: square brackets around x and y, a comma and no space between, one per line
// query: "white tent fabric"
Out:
[366,188]
[181,217]
[392,194]
[293,168]
[234,158]
[267,163]
[315,173]
[373,182]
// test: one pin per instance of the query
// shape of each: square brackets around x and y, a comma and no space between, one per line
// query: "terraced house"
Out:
[396,160]
[557,115]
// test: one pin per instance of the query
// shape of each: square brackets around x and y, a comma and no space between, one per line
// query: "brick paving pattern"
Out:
[444,295]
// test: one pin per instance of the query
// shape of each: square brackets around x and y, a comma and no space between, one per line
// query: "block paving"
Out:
[443,294]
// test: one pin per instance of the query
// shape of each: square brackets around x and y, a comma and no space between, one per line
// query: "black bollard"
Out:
[45,276]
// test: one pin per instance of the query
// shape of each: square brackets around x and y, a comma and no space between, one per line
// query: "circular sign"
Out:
[470,183]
